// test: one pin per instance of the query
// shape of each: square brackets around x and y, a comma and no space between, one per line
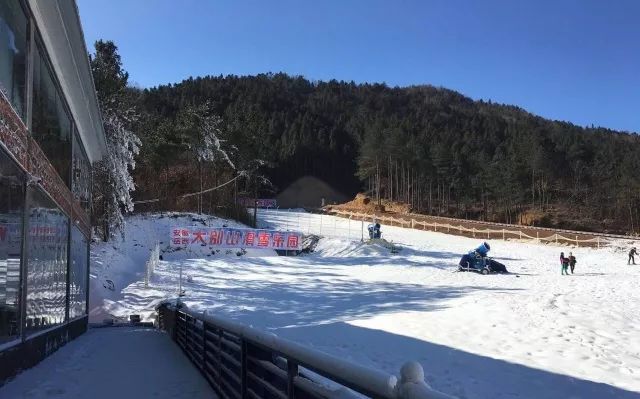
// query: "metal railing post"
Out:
[204,345]
[292,373]
[243,368]
[413,386]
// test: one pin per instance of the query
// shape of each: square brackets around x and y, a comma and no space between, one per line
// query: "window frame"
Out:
[25,118]
[40,49]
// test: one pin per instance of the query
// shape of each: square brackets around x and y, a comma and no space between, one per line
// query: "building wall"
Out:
[44,198]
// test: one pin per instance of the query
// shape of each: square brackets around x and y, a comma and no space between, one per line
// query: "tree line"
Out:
[433,148]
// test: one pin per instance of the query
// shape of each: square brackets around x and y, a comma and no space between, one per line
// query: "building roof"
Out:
[59,25]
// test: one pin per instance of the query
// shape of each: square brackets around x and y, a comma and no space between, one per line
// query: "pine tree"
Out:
[112,180]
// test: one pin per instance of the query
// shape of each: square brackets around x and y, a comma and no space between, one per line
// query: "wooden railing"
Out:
[243,362]
[512,232]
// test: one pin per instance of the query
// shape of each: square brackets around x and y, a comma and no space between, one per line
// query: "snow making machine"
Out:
[375,237]
[477,261]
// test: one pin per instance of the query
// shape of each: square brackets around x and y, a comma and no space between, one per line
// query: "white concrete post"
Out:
[413,386]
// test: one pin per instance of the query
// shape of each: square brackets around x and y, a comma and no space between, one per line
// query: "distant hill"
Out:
[433,148]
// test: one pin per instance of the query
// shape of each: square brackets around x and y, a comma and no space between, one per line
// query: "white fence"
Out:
[151,264]
[314,223]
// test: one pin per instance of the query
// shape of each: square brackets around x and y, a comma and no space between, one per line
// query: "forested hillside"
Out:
[434,148]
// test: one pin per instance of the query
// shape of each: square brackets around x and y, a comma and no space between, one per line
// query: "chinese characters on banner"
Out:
[262,203]
[225,237]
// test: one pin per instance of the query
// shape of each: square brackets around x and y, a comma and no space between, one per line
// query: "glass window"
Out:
[11,209]
[51,122]
[81,176]
[46,262]
[13,53]
[78,278]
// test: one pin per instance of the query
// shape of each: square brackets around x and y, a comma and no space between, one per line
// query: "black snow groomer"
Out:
[478,261]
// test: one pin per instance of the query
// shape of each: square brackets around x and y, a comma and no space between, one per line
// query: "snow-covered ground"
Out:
[536,334]
[109,363]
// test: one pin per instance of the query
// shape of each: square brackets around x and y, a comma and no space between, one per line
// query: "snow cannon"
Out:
[483,249]
[477,261]
[374,231]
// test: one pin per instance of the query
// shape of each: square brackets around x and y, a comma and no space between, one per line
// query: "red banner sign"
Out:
[225,237]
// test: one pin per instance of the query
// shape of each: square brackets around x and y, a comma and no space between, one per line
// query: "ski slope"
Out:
[536,334]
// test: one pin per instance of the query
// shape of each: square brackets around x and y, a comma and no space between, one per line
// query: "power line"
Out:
[192,194]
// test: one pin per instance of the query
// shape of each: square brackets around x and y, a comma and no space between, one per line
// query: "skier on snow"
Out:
[632,253]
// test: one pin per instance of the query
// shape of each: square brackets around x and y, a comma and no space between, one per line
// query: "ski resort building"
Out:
[50,134]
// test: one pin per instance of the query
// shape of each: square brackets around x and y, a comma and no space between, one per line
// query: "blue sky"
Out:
[574,60]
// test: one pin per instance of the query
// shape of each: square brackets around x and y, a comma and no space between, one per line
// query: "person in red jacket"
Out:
[564,262]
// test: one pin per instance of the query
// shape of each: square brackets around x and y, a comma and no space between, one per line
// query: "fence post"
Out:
[474,232]
[520,232]
[598,240]
[243,368]
[577,244]
[435,226]
[413,386]
[503,235]
[538,237]
[413,223]
[292,372]
[204,342]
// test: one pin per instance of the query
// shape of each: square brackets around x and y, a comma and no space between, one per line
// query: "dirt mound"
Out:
[364,203]
[309,192]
